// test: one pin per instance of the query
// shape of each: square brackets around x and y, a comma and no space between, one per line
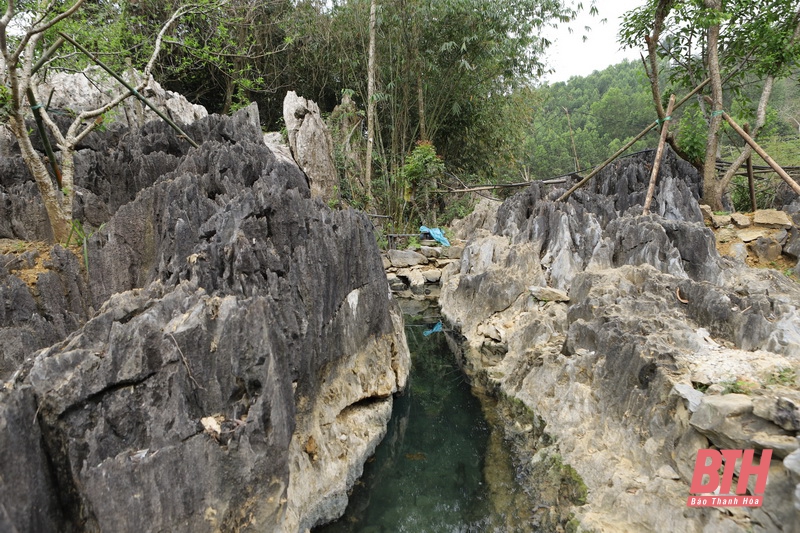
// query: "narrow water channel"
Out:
[431,472]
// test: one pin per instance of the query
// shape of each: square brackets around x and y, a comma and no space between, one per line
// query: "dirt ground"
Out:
[784,263]
[14,248]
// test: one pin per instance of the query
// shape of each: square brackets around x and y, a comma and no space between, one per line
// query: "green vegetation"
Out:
[81,238]
[456,95]
[737,47]
[579,123]
[738,386]
[785,376]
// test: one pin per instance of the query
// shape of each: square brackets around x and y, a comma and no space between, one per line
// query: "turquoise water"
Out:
[428,474]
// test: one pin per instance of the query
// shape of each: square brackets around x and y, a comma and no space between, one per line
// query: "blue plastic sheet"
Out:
[437,235]
[435,329]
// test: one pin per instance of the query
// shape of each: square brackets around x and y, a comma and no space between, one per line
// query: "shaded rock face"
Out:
[612,380]
[239,369]
[31,320]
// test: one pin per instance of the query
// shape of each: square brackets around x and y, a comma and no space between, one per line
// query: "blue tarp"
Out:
[435,329]
[437,235]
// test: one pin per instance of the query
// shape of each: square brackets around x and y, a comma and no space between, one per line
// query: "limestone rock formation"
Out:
[239,367]
[311,144]
[611,393]
[34,319]
[94,87]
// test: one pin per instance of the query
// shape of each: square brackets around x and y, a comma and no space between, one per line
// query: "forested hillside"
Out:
[580,123]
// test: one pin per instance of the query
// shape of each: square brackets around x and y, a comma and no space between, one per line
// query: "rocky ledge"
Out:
[622,344]
[228,361]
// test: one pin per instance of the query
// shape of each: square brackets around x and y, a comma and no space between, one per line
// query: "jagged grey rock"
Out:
[311,144]
[606,376]
[481,218]
[729,422]
[242,329]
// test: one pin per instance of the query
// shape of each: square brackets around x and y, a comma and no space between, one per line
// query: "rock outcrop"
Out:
[414,275]
[311,145]
[616,338]
[93,88]
[239,367]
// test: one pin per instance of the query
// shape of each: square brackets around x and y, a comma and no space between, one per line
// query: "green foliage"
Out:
[82,237]
[422,166]
[767,192]
[408,197]
[738,386]
[381,239]
[784,376]
[599,127]
[768,187]
[5,103]
[456,209]
[692,133]
[760,34]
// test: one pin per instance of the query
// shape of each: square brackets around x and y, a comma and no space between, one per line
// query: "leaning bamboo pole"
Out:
[751,181]
[764,155]
[651,188]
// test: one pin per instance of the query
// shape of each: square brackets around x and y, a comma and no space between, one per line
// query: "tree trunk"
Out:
[423,128]
[371,66]
[712,188]
[57,204]
[761,118]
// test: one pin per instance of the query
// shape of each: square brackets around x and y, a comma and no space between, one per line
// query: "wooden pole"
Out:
[764,155]
[572,138]
[619,152]
[48,148]
[750,177]
[371,70]
[46,55]
[479,188]
[657,161]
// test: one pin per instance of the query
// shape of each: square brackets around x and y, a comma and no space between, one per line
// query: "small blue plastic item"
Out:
[437,235]
[435,329]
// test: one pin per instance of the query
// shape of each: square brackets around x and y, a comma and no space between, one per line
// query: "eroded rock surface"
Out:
[311,144]
[239,368]
[611,393]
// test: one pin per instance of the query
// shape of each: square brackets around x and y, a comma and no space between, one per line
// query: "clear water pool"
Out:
[440,468]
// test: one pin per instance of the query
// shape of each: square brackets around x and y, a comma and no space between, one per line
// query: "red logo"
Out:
[714,489]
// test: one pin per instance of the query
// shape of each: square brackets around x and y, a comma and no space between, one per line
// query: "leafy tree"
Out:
[223,54]
[731,42]
[25,30]
[452,72]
